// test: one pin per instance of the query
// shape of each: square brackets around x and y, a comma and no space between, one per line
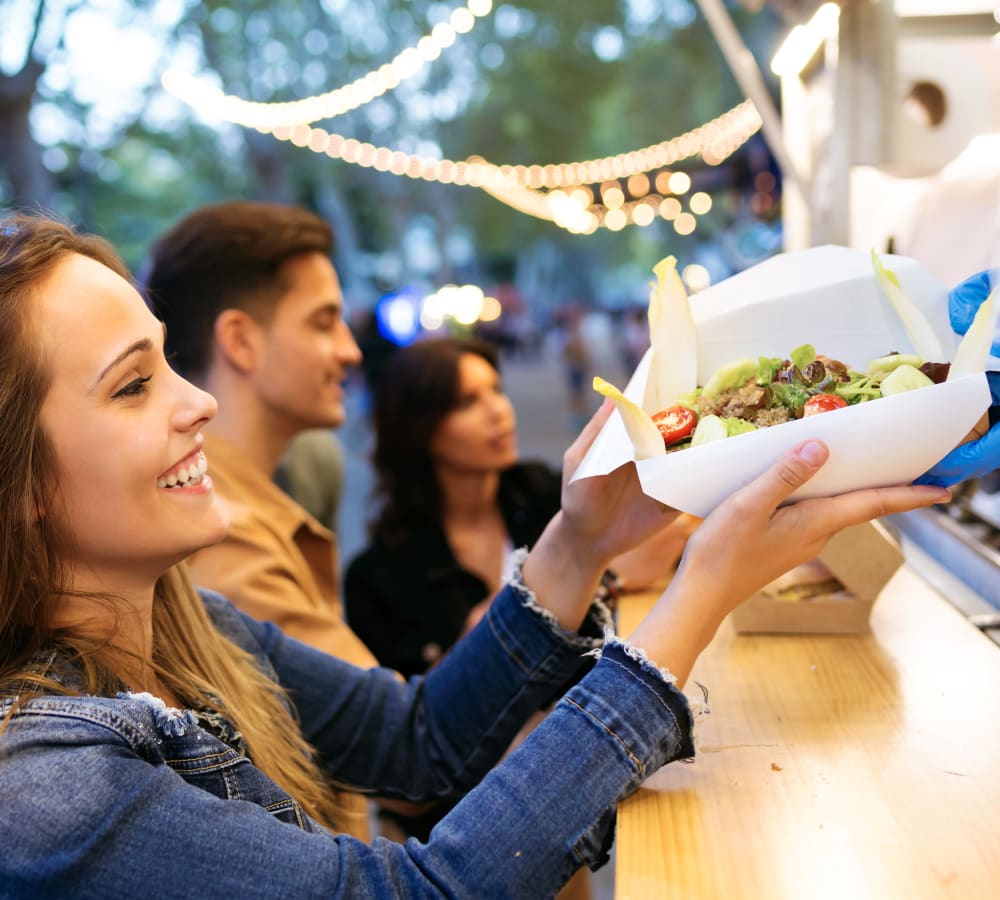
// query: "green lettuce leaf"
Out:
[971,355]
[802,356]
[922,336]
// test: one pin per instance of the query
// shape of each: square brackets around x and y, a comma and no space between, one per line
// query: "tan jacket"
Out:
[278,564]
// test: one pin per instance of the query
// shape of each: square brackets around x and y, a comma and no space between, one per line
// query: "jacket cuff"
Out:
[649,720]
[592,633]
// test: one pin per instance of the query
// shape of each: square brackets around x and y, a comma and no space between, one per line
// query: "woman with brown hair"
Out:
[156,742]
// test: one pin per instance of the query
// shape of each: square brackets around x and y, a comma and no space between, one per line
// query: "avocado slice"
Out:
[731,375]
[886,364]
[904,378]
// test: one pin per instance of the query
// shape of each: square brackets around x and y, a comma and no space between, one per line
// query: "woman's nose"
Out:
[500,406]
[195,407]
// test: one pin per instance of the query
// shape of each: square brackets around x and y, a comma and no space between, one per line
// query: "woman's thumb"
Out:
[792,470]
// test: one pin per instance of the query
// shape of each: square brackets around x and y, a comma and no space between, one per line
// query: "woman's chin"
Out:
[213,530]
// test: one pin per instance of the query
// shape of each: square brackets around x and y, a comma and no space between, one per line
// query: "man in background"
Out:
[255,316]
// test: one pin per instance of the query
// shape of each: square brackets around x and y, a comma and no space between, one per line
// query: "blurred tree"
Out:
[29,182]
[535,82]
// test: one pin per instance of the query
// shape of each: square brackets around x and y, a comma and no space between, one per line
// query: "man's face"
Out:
[307,348]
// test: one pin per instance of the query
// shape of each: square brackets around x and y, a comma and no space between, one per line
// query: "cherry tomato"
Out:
[821,403]
[675,423]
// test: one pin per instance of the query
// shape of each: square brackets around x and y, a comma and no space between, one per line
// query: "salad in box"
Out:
[828,343]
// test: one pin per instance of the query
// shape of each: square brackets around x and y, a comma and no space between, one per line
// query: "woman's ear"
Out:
[237,339]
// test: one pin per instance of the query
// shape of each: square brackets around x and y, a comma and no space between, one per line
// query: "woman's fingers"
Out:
[795,468]
[856,507]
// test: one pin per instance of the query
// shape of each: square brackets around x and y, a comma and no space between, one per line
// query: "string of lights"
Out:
[541,191]
[265,116]
[714,142]
[557,192]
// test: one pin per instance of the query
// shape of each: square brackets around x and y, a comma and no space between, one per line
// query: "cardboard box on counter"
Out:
[834,594]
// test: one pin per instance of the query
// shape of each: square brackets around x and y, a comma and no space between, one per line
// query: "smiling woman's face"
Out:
[125,431]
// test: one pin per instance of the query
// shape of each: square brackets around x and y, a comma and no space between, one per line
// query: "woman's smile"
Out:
[188,473]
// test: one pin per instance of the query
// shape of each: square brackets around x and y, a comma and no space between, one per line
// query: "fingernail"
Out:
[813,453]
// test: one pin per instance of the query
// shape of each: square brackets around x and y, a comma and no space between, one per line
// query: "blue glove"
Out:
[976,458]
[964,301]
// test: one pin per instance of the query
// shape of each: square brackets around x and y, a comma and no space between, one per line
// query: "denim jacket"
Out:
[120,797]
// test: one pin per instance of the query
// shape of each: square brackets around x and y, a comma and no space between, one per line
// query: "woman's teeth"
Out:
[185,477]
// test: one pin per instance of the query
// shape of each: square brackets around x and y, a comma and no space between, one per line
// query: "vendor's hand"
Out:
[748,541]
[965,299]
[976,458]
[609,514]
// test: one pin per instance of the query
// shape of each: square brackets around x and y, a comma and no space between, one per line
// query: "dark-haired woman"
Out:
[455,505]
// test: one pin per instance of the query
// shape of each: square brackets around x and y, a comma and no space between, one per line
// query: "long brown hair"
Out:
[190,657]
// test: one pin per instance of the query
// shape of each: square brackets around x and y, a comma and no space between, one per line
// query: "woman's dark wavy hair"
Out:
[417,389]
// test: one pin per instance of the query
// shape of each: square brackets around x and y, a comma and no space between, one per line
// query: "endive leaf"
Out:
[641,429]
[970,358]
[673,368]
[922,336]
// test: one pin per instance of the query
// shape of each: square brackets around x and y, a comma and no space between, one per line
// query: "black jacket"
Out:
[409,602]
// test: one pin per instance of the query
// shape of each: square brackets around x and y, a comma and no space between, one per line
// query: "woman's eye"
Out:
[133,388]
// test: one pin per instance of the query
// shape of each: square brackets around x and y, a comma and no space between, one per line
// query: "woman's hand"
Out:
[655,558]
[608,514]
[748,541]
[600,518]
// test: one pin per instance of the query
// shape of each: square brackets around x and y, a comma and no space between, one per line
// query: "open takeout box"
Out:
[833,594]
[828,297]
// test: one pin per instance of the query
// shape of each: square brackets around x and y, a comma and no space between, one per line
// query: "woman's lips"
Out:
[504,440]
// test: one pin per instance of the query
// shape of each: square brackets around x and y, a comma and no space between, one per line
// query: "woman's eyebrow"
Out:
[144,345]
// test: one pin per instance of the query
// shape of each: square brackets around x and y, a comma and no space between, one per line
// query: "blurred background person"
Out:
[254,315]
[312,473]
[576,365]
[634,337]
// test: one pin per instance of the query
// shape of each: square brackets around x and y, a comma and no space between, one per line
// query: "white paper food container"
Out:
[827,297]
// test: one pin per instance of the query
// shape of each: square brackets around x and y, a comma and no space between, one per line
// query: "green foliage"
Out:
[528,85]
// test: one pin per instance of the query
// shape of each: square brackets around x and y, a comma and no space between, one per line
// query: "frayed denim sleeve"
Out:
[698,705]
[561,786]
[597,632]
[592,633]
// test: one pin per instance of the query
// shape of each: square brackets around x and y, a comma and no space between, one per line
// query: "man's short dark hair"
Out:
[225,256]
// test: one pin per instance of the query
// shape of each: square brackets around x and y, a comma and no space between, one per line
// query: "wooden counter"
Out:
[831,766]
